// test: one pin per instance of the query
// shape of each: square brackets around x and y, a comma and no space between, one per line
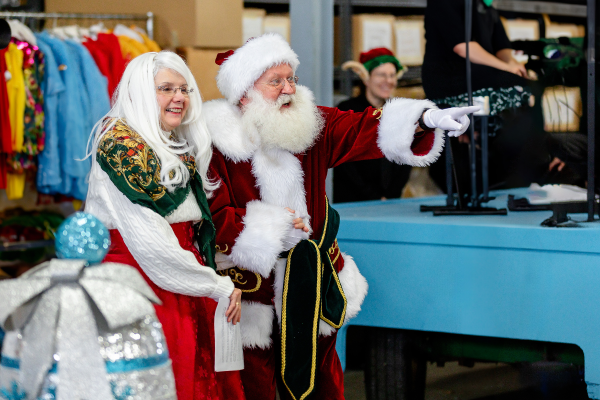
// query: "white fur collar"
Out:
[224,122]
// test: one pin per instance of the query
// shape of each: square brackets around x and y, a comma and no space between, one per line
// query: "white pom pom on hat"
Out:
[242,68]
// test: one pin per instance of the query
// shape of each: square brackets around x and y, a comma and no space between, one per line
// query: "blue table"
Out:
[493,276]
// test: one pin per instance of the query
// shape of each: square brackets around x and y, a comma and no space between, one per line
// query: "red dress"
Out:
[188,324]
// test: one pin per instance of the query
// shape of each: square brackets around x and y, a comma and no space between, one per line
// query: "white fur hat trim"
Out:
[243,68]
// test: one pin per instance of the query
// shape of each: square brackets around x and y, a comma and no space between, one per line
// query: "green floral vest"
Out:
[134,168]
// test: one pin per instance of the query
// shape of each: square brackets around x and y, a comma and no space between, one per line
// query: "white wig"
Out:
[135,103]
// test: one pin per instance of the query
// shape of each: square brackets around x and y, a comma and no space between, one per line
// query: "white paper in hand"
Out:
[228,341]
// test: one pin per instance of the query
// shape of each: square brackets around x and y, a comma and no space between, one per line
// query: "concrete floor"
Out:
[490,381]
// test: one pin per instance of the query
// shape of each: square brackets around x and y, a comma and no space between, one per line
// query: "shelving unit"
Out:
[348,80]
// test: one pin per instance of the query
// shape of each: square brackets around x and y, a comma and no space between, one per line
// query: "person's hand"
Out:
[298,222]
[455,120]
[517,68]
[298,231]
[234,311]
[556,163]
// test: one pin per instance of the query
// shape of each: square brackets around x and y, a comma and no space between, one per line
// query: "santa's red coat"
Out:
[257,183]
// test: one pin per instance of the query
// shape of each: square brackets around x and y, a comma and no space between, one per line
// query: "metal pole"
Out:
[150,25]
[19,14]
[473,152]
[449,188]
[591,106]
[484,158]
[346,36]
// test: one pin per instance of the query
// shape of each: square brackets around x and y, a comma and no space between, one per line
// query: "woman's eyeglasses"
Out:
[172,91]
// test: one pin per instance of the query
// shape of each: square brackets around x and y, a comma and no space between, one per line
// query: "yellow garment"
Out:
[131,48]
[15,186]
[15,183]
[16,95]
[149,43]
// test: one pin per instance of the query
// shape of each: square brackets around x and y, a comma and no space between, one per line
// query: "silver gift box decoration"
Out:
[77,332]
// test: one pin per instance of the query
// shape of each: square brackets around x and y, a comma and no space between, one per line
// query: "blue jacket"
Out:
[49,174]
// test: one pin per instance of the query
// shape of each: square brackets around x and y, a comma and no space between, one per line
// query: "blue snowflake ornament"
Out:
[83,237]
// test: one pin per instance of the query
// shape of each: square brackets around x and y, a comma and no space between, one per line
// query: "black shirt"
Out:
[367,179]
[444,71]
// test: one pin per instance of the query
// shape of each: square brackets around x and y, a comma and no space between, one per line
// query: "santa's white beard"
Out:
[294,128]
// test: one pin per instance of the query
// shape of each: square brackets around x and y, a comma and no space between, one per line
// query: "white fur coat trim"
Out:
[224,122]
[241,69]
[258,246]
[397,130]
[256,325]
[355,288]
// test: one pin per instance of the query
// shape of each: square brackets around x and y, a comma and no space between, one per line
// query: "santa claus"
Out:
[275,228]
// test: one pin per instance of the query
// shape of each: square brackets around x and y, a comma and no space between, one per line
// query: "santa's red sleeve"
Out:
[249,235]
[381,132]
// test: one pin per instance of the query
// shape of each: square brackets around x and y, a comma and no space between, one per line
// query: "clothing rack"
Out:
[148,17]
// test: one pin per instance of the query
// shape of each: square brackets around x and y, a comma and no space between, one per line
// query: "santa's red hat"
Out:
[240,69]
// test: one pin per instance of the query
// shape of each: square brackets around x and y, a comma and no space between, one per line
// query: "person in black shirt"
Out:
[378,179]
[519,153]
[494,71]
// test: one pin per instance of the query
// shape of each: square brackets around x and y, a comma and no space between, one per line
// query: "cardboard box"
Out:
[203,67]
[410,92]
[555,30]
[410,40]
[562,108]
[253,20]
[203,23]
[370,31]
[521,29]
[278,23]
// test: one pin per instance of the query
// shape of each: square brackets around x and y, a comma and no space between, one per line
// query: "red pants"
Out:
[262,370]
[188,324]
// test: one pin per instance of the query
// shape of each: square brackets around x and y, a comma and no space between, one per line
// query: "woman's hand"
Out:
[516,68]
[234,311]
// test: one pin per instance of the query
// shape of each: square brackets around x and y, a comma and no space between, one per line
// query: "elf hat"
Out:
[369,60]
[375,57]
[241,68]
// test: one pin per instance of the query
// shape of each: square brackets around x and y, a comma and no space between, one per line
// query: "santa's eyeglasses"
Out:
[279,83]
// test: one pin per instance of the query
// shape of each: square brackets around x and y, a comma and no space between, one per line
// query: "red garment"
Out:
[5,128]
[188,324]
[106,51]
[261,368]
[256,184]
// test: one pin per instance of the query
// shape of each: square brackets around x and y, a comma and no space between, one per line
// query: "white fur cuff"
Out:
[397,131]
[355,288]
[256,325]
[259,244]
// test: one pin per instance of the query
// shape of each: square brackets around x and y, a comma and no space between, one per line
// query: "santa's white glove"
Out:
[455,120]
[294,235]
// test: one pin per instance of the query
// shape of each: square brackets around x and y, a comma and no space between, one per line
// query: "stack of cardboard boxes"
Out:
[198,29]
[256,21]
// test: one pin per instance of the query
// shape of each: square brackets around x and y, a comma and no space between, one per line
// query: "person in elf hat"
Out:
[376,179]
[276,232]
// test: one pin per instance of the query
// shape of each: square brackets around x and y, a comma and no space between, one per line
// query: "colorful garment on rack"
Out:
[131,48]
[33,133]
[72,136]
[107,54]
[5,128]
[95,84]
[15,87]
[48,174]
[15,183]
[149,43]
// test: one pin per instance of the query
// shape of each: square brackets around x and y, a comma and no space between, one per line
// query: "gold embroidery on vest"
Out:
[378,111]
